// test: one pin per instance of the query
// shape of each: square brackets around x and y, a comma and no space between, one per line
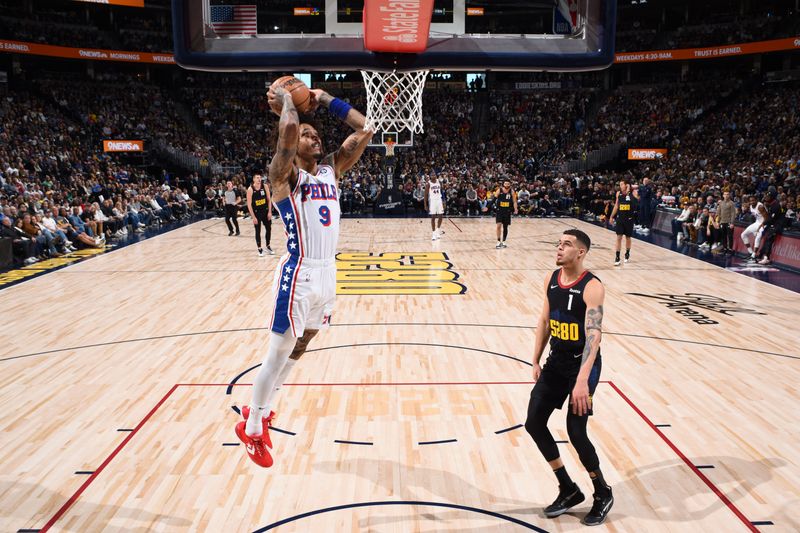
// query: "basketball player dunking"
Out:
[572,317]
[259,204]
[305,190]
[434,205]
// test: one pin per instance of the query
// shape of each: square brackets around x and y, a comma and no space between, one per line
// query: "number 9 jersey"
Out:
[311,214]
[567,313]
[305,278]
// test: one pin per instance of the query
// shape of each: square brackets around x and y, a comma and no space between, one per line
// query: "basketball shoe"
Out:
[257,446]
[600,508]
[265,420]
[565,500]
[256,449]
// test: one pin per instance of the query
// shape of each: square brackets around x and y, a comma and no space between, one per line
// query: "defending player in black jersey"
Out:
[572,319]
[626,205]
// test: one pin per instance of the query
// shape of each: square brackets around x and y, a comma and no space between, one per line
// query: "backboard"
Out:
[328,35]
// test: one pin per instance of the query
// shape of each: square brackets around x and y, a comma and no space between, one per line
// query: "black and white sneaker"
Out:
[602,505]
[564,501]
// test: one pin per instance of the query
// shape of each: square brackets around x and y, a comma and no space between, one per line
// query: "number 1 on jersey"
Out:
[569,303]
[325,213]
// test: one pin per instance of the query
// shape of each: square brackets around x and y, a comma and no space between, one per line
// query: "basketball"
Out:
[301,96]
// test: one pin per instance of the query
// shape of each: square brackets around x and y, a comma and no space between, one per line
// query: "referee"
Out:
[232,199]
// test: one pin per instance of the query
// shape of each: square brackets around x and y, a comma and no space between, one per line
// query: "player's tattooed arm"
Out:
[354,117]
[351,149]
[282,164]
[593,296]
[594,331]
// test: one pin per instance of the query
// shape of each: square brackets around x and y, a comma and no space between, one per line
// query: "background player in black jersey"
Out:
[505,199]
[625,206]
[259,203]
[571,318]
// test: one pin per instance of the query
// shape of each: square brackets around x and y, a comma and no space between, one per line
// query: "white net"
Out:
[394,100]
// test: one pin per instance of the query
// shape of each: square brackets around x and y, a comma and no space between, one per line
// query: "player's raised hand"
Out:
[275,98]
[317,97]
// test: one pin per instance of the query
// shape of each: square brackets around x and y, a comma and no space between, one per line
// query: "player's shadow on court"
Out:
[130,520]
[747,475]
[445,486]
[733,476]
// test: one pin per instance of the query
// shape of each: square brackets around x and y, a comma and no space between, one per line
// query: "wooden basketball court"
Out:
[121,377]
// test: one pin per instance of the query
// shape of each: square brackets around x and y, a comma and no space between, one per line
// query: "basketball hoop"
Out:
[389,144]
[394,100]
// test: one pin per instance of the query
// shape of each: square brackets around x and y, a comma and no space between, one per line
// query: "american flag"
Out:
[234,20]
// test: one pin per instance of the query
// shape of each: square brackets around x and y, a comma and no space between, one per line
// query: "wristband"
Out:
[340,108]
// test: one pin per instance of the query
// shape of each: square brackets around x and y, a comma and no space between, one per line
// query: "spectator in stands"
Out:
[48,224]
[23,246]
[45,243]
[726,213]
[419,197]
[359,201]
[524,201]
[701,224]
[646,206]
[75,234]
[688,228]
[163,208]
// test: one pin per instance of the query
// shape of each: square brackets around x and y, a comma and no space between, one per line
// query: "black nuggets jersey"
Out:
[567,314]
[259,199]
[504,200]
[627,206]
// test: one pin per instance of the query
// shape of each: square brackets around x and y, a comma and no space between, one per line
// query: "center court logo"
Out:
[688,304]
[396,273]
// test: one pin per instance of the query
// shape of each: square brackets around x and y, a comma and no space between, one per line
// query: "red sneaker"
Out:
[265,420]
[256,450]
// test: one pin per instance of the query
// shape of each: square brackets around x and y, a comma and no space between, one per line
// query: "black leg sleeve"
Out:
[576,429]
[536,426]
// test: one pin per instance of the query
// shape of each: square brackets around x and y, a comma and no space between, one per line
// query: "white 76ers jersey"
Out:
[435,192]
[311,214]
[756,213]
